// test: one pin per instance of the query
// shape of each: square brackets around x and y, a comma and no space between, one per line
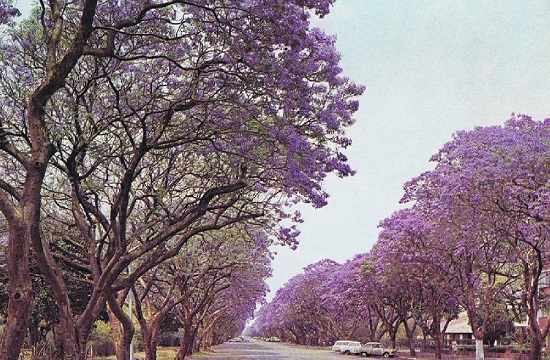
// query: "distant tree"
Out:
[297,313]
[221,272]
[406,242]
[474,239]
[393,291]
[350,301]
[381,300]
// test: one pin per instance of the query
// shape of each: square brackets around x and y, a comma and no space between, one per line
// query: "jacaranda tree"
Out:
[408,241]
[394,291]
[489,196]
[160,120]
[297,313]
[215,275]
[223,276]
[354,310]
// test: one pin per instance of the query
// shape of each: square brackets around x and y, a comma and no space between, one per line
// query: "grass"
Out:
[164,353]
[201,354]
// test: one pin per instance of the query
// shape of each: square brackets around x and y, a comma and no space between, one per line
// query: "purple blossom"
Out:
[7,11]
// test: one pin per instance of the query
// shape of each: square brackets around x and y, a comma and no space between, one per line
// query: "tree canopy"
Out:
[130,128]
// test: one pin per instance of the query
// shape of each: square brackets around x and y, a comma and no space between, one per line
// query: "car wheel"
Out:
[386,355]
[363,354]
[346,352]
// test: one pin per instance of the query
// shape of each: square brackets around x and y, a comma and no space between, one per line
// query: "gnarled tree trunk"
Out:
[21,300]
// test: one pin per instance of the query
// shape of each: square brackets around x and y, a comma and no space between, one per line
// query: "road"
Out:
[261,350]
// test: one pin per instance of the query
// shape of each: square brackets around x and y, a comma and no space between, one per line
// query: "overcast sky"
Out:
[430,68]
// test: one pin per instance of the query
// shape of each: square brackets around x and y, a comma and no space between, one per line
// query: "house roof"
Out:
[459,326]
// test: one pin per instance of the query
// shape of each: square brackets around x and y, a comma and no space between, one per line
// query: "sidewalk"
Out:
[405,354]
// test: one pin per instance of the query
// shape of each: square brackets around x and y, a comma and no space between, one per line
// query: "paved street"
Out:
[261,350]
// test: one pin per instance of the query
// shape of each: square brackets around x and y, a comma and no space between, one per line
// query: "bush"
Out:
[101,341]
[467,348]
[102,348]
[498,349]
[169,339]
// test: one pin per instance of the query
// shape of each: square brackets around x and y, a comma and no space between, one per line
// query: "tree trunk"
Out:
[84,326]
[351,331]
[207,339]
[117,334]
[21,294]
[186,346]
[437,342]
[69,349]
[436,335]
[536,343]
[146,336]
[150,337]
[479,335]
[393,336]
[122,329]
[34,336]
[480,354]
[412,349]
[410,333]
[150,330]
[48,269]
[151,347]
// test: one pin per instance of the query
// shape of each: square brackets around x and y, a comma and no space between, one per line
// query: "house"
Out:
[459,330]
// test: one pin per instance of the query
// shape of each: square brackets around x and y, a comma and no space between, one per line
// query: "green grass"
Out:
[164,353]
[200,355]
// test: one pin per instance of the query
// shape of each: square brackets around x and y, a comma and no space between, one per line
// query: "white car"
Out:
[339,343]
[351,348]
[376,349]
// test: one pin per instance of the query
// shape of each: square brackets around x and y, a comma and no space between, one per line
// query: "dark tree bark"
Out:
[409,331]
[21,299]
[24,216]
[187,341]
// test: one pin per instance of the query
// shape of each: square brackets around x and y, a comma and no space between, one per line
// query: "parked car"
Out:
[350,348]
[376,349]
[337,344]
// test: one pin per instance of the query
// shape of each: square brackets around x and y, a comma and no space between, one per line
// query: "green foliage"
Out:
[368,268]
[101,341]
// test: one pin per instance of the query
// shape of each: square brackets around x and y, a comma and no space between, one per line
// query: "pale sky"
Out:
[430,68]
